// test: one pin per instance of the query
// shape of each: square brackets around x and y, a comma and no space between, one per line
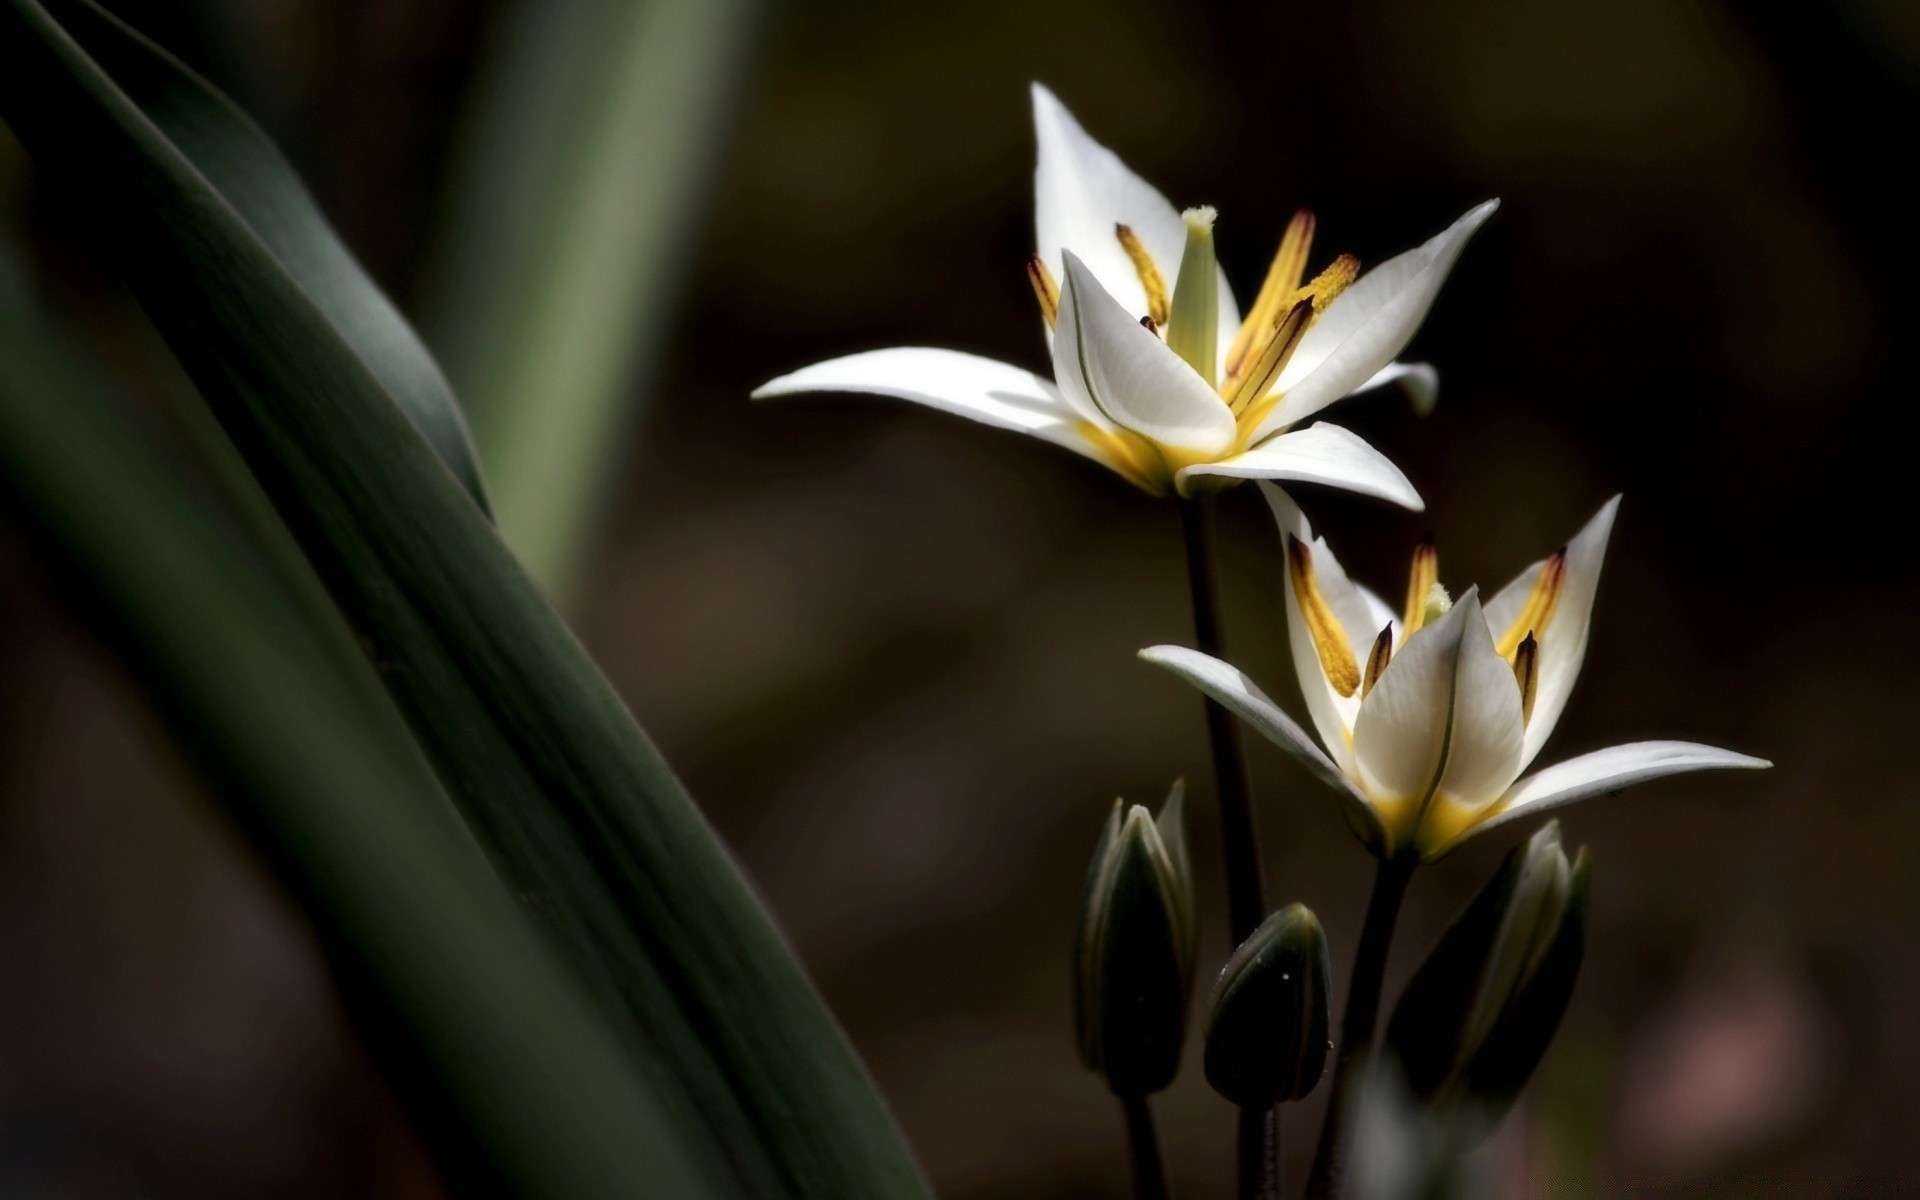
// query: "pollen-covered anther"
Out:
[1045,290]
[1329,639]
[1377,659]
[1526,673]
[1421,577]
[1338,277]
[1537,611]
[1158,303]
[1282,281]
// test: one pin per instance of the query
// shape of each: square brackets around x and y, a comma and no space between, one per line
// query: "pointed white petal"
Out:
[1400,736]
[1563,644]
[1242,697]
[1601,772]
[1419,381]
[1103,356]
[967,385]
[1368,324]
[1320,453]
[1483,754]
[1332,714]
[1081,190]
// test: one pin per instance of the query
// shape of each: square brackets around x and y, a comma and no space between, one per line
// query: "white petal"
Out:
[1563,644]
[1400,736]
[1081,190]
[1332,714]
[1368,324]
[967,385]
[1242,697]
[1104,358]
[1419,381]
[1483,754]
[1324,454]
[1604,771]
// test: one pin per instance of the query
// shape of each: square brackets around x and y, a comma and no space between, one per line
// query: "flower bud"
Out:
[1133,961]
[1480,1012]
[1267,1023]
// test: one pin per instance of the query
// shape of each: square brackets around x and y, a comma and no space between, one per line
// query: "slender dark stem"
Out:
[1357,1021]
[1260,1153]
[1143,1147]
[1245,907]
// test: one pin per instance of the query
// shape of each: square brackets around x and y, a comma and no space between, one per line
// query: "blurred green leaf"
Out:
[520,1084]
[574,207]
[568,796]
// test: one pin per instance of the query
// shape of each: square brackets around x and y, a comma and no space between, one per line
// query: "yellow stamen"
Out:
[1045,290]
[1282,281]
[1538,610]
[1150,277]
[1526,673]
[1420,580]
[1377,659]
[1329,639]
[1337,278]
[1259,380]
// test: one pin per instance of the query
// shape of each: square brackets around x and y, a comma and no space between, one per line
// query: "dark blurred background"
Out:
[892,652]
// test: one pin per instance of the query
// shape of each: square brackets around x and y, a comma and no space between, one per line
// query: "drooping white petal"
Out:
[1242,697]
[1324,454]
[1563,644]
[1419,380]
[1400,736]
[967,385]
[1081,190]
[1103,358]
[1483,754]
[1603,771]
[1368,324]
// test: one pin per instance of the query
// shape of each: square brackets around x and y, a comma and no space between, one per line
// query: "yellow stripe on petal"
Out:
[1421,577]
[1329,639]
[1155,283]
[1538,609]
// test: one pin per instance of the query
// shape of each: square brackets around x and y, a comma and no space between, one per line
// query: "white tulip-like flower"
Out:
[1429,716]
[1165,384]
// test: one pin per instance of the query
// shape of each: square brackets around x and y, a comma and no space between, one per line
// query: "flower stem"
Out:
[1358,1020]
[1143,1147]
[1259,1145]
[1245,907]
[1260,1153]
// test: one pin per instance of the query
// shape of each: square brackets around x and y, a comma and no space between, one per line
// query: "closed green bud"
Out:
[1133,961]
[1267,1024]
[1479,1014]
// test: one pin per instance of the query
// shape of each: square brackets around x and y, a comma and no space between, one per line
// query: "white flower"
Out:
[1428,717]
[1166,384]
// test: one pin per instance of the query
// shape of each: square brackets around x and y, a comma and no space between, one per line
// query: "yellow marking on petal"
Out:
[1045,290]
[1377,659]
[1445,822]
[1130,455]
[1150,277]
[1282,281]
[1337,278]
[1538,610]
[1526,673]
[1421,577]
[1257,381]
[1329,639]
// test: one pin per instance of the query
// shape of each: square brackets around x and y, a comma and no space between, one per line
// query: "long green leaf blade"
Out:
[592,139]
[573,802]
[492,1042]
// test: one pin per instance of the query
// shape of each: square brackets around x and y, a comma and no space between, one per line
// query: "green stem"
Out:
[1260,1153]
[1143,1148]
[1358,1020]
